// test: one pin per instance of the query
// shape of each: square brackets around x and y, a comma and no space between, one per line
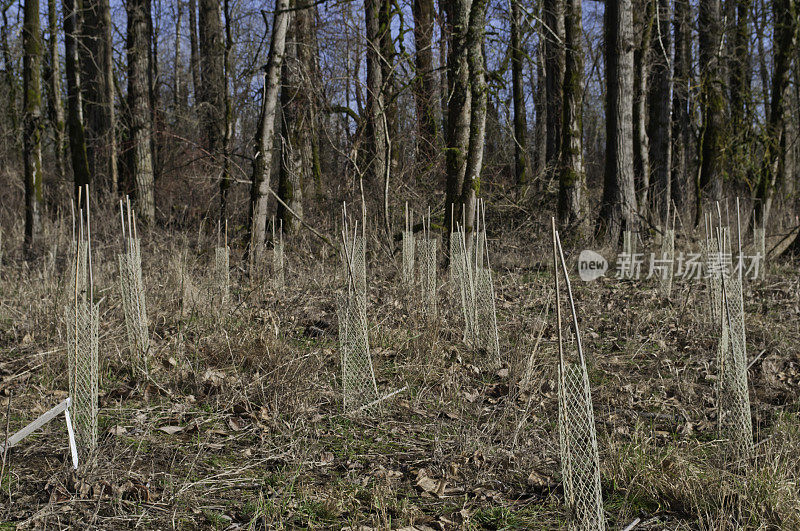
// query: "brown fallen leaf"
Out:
[117,430]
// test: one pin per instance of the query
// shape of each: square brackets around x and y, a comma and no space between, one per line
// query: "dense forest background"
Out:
[242,110]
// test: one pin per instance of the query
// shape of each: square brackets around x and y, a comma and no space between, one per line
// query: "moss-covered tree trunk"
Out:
[572,177]
[32,120]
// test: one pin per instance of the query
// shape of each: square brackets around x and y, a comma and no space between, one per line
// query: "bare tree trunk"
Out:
[425,83]
[783,41]
[194,59]
[98,91]
[139,108]
[55,107]
[212,100]
[227,139]
[539,91]
[262,163]
[178,93]
[554,72]
[10,75]
[643,24]
[53,75]
[388,77]
[77,139]
[572,177]
[32,120]
[477,122]
[712,105]
[659,107]
[375,127]
[682,182]
[296,106]
[618,210]
[458,108]
[521,171]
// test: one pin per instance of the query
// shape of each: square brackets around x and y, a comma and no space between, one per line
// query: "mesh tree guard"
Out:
[467,293]
[358,267]
[486,319]
[456,270]
[580,462]
[222,279]
[408,257]
[278,269]
[358,377]
[735,422]
[760,248]
[82,368]
[713,276]
[133,303]
[668,258]
[427,275]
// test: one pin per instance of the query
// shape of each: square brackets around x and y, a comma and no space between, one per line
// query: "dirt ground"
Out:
[239,424]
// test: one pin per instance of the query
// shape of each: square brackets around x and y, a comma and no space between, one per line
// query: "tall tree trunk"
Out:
[139,108]
[388,55]
[262,163]
[618,210]
[10,75]
[477,121]
[554,72]
[572,178]
[194,54]
[458,108]
[739,66]
[55,107]
[784,36]
[425,83]
[539,91]
[98,92]
[32,119]
[712,105]
[521,170]
[227,139]
[178,92]
[77,138]
[658,129]
[682,182]
[296,105]
[643,26]
[376,119]
[214,86]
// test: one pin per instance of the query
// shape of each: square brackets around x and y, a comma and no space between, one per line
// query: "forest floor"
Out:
[240,424]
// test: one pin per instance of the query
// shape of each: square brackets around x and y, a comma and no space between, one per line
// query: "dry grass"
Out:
[250,396]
